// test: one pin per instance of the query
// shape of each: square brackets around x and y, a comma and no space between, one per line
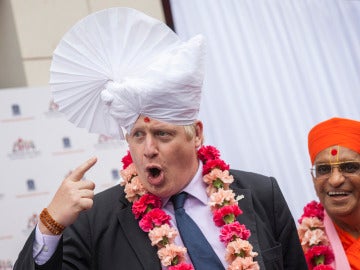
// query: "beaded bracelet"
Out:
[50,223]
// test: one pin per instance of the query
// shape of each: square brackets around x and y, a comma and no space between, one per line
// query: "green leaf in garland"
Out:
[218,183]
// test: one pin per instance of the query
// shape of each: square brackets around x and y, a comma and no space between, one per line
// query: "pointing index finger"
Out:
[79,172]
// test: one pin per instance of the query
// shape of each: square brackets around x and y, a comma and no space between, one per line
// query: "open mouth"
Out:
[154,172]
[155,175]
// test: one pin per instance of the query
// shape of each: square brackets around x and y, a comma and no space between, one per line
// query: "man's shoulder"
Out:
[249,179]
[261,186]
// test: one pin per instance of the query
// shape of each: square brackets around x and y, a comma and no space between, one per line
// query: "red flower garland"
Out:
[152,219]
[144,204]
[232,231]
[126,160]
[226,214]
[315,244]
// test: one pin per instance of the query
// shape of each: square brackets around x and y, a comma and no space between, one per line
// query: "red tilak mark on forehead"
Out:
[333,152]
[146,119]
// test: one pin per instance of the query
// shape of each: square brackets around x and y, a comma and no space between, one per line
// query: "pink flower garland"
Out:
[152,219]
[313,238]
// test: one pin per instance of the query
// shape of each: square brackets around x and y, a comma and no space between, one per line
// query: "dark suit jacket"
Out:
[108,237]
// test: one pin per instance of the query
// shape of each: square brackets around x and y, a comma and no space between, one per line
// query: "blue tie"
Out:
[201,253]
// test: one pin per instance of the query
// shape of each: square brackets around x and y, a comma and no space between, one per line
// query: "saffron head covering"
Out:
[117,64]
[335,131]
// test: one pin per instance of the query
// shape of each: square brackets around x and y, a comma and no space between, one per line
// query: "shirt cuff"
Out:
[44,246]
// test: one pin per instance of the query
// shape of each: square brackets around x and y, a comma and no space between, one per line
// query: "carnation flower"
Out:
[126,160]
[128,174]
[162,235]
[207,153]
[309,223]
[218,178]
[239,248]
[134,189]
[230,232]
[246,263]
[155,217]
[221,198]
[313,209]
[172,255]
[226,214]
[216,163]
[319,255]
[314,237]
[145,204]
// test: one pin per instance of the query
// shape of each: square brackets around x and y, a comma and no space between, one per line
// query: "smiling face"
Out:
[164,155]
[339,192]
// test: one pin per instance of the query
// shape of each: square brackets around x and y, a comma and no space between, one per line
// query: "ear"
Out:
[199,136]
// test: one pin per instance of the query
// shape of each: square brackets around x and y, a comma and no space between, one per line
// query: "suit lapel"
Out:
[138,240]
[248,218]
[146,253]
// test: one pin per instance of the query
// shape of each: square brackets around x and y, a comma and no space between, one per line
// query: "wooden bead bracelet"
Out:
[53,226]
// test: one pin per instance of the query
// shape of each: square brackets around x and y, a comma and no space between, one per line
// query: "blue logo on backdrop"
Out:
[115,174]
[66,142]
[30,184]
[15,109]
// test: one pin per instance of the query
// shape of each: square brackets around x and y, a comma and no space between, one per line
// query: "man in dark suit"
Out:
[115,241]
[242,217]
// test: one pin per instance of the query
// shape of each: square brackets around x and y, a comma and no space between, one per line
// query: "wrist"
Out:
[48,225]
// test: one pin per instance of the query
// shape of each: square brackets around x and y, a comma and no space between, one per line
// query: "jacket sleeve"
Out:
[25,260]
[285,230]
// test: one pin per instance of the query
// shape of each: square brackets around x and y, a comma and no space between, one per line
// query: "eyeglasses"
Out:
[324,170]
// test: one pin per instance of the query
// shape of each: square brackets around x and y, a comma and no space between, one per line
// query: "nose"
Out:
[150,148]
[336,178]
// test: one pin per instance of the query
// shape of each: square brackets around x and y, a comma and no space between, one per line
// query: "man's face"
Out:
[338,191]
[164,156]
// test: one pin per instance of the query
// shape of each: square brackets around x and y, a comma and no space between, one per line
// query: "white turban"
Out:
[117,64]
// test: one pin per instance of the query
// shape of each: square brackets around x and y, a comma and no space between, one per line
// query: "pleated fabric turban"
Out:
[117,64]
[335,131]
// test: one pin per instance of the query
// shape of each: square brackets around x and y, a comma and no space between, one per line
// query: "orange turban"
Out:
[335,131]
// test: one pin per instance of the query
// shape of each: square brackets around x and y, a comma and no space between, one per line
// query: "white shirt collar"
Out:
[196,187]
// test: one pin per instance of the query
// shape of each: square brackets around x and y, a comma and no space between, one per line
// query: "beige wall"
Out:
[12,71]
[30,31]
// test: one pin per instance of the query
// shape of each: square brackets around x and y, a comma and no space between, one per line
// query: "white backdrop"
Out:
[275,68]
[33,167]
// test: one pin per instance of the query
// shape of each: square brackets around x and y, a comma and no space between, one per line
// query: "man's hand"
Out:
[73,196]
